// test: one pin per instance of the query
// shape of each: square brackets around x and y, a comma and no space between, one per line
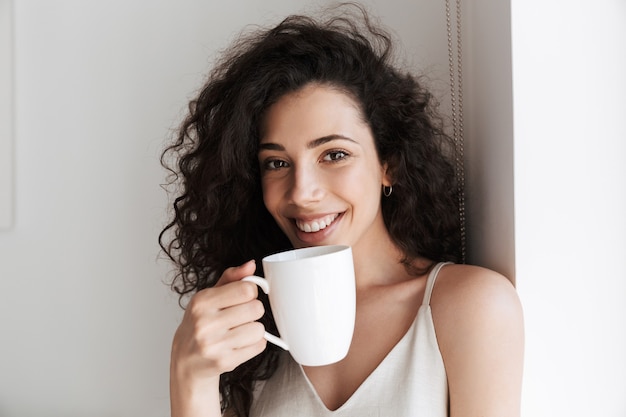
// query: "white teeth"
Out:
[316,225]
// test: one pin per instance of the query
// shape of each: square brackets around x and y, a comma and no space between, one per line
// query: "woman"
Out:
[306,135]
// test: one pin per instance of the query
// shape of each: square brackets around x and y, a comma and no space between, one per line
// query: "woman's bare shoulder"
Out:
[472,288]
[479,324]
[468,298]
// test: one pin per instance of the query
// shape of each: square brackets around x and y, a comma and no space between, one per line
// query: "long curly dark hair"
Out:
[219,217]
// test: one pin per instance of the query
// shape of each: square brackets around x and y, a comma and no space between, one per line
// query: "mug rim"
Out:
[300,254]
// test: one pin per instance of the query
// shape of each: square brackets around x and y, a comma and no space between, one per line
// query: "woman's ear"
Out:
[387,175]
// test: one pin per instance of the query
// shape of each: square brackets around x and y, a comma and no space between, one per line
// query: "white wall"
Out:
[569,61]
[86,320]
[6,115]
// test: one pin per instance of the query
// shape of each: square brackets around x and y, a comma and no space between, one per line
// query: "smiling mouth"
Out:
[317,224]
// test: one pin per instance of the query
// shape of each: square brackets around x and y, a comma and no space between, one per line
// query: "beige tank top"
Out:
[410,381]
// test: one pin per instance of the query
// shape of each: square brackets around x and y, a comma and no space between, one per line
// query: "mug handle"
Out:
[265,286]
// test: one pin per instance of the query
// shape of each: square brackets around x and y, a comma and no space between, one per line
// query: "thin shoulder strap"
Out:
[430,282]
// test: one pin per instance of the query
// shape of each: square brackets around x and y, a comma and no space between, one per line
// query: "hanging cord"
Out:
[456,104]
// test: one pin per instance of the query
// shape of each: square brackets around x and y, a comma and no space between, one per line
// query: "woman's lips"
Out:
[316,235]
[312,226]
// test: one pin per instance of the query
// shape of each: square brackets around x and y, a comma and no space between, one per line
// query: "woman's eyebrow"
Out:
[318,142]
[313,144]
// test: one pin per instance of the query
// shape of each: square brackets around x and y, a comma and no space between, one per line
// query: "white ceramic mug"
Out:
[312,294]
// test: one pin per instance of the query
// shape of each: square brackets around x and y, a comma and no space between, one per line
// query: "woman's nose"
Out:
[306,186]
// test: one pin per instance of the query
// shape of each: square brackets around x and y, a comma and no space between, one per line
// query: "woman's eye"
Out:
[333,156]
[274,164]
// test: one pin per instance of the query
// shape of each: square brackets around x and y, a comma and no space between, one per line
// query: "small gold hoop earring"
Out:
[387,190]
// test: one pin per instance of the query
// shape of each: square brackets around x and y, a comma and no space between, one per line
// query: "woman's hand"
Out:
[218,332]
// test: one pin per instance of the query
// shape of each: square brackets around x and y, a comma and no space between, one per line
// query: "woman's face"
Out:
[320,171]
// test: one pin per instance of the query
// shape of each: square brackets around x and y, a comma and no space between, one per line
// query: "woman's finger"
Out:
[236,273]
